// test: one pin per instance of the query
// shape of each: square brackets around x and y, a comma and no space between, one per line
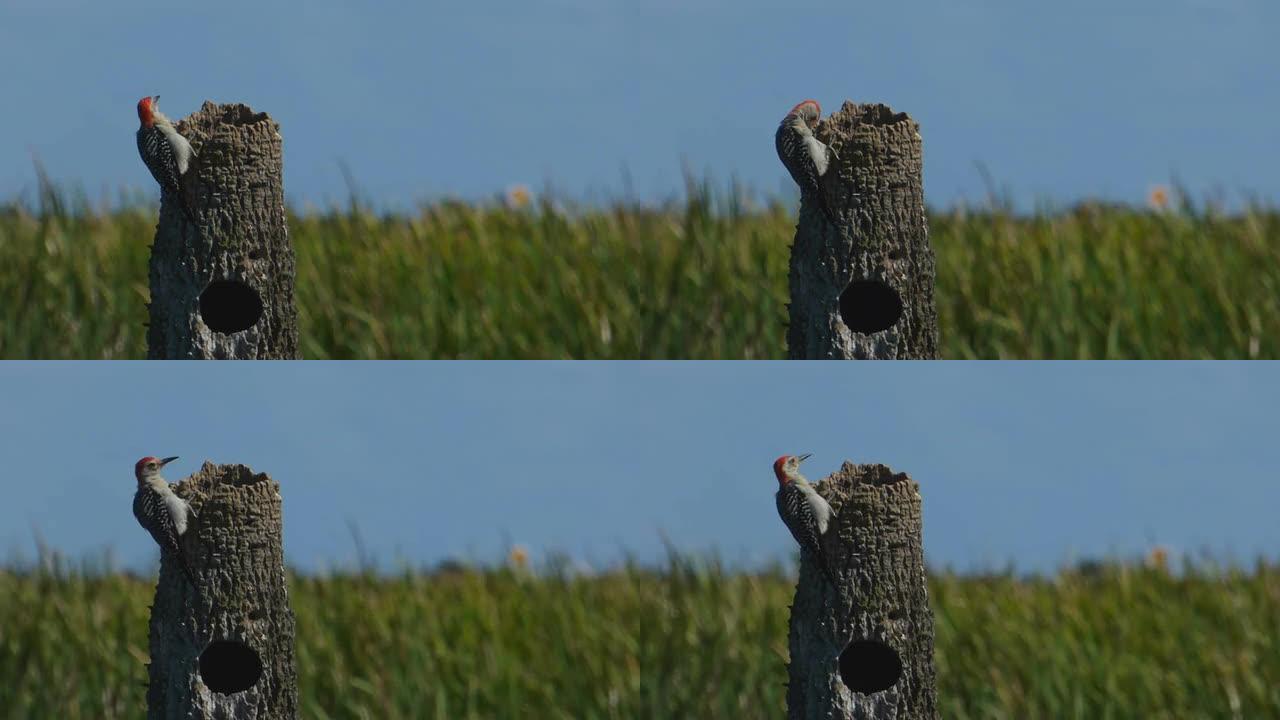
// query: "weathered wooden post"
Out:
[864,290]
[222,288]
[865,650]
[227,651]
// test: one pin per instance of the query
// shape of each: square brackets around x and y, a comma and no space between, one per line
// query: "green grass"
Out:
[704,278]
[685,641]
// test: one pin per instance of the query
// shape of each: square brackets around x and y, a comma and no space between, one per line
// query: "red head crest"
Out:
[140,467]
[807,111]
[777,469]
[816,107]
[137,468]
[146,106]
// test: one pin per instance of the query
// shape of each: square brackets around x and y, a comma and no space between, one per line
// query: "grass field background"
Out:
[702,278]
[688,640]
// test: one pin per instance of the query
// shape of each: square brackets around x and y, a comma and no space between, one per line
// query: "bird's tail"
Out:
[186,570]
[187,209]
[829,574]
[827,210]
[180,197]
[820,560]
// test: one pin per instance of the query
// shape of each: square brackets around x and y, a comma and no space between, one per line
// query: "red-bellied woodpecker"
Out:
[805,513]
[804,156]
[166,153]
[161,512]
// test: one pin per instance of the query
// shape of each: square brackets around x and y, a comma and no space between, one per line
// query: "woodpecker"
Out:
[805,513]
[166,153]
[161,512]
[804,156]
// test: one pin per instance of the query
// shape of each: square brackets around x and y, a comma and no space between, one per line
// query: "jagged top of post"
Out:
[870,114]
[231,116]
[841,126]
[211,475]
[843,482]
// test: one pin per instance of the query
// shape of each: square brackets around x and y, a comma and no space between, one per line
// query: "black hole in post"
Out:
[869,306]
[229,666]
[229,306]
[869,666]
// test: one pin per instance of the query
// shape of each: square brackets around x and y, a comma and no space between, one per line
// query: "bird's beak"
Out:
[804,457]
[168,460]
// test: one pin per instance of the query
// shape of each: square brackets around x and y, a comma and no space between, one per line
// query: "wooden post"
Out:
[865,650]
[222,288]
[226,651]
[864,290]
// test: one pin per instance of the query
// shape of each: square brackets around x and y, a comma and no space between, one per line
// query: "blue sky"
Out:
[1060,101]
[1034,463]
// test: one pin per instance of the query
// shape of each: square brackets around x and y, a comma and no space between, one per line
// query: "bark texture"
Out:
[875,546]
[234,544]
[223,287]
[864,290]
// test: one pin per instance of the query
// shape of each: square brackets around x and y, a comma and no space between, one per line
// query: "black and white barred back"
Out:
[158,155]
[796,159]
[152,512]
[797,515]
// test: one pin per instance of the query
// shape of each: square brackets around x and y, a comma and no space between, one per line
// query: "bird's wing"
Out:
[156,520]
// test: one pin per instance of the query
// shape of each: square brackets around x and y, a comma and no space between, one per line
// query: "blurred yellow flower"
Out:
[1158,198]
[1158,558]
[518,557]
[518,196]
